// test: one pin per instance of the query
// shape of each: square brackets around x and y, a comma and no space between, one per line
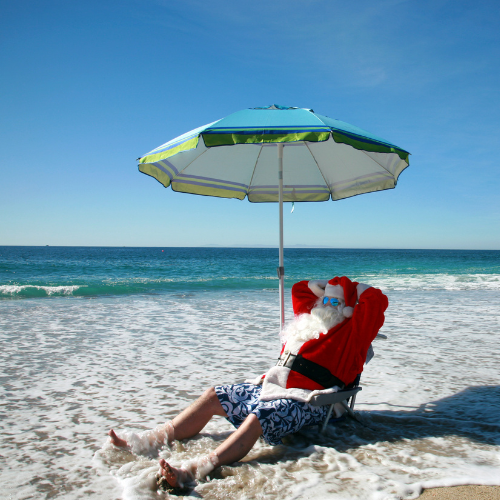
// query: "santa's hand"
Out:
[318,287]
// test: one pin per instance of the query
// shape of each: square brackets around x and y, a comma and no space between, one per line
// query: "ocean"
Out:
[125,338]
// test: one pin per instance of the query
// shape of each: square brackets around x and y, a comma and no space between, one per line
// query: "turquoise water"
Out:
[91,271]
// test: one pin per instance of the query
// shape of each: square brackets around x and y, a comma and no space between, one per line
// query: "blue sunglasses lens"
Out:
[333,302]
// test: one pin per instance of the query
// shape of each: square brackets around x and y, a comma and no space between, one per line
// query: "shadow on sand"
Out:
[473,414]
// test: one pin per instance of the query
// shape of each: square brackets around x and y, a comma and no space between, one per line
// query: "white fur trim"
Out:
[335,291]
[347,311]
[330,390]
[275,380]
[305,395]
[274,386]
[361,288]
[317,287]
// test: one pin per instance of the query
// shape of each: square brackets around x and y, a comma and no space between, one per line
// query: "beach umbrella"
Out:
[277,154]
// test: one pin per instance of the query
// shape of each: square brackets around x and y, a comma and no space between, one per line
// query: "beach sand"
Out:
[470,492]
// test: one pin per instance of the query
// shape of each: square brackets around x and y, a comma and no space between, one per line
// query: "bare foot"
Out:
[177,478]
[116,440]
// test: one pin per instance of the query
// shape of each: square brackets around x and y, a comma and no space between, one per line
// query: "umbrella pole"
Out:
[281,268]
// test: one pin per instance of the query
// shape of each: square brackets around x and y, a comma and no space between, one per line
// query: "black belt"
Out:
[309,369]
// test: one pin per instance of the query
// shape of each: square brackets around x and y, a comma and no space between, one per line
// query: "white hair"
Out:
[310,326]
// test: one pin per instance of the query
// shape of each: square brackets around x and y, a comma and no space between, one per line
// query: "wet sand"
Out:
[470,492]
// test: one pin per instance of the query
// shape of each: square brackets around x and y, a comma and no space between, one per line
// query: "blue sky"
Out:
[87,87]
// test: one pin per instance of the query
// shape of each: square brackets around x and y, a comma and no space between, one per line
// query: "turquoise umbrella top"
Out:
[229,158]
[274,124]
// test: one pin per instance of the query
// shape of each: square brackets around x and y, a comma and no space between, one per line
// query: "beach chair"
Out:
[346,397]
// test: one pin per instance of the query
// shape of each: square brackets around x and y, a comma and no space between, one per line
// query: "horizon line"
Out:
[264,247]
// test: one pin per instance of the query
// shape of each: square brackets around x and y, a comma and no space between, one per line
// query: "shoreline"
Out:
[467,492]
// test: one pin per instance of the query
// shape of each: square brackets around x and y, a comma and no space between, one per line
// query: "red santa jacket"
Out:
[343,349]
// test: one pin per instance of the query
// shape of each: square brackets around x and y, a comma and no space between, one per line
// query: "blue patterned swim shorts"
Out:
[278,418]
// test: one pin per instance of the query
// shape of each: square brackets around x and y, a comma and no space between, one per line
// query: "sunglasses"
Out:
[334,302]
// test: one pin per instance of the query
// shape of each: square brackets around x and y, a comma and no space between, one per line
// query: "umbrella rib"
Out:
[315,161]
[373,159]
[254,168]
[193,160]
[378,163]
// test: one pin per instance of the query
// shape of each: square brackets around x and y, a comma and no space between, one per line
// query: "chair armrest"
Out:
[334,397]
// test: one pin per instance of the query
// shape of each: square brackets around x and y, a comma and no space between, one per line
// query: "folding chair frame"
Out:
[346,397]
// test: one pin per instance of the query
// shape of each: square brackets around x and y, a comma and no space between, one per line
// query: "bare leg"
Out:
[190,421]
[234,448]
[240,442]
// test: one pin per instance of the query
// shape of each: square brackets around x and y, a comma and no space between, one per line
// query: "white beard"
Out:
[310,326]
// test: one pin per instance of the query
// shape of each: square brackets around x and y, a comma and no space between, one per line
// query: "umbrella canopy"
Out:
[276,154]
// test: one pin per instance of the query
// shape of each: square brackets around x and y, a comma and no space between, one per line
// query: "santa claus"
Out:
[327,342]
[324,349]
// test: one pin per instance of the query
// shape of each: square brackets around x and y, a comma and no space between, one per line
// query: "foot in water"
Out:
[176,478]
[117,441]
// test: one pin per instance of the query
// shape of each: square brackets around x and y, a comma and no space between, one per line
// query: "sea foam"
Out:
[74,368]
[37,290]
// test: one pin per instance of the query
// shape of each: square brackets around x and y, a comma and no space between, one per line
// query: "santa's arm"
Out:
[361,288]
[304,297]
[368,315]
